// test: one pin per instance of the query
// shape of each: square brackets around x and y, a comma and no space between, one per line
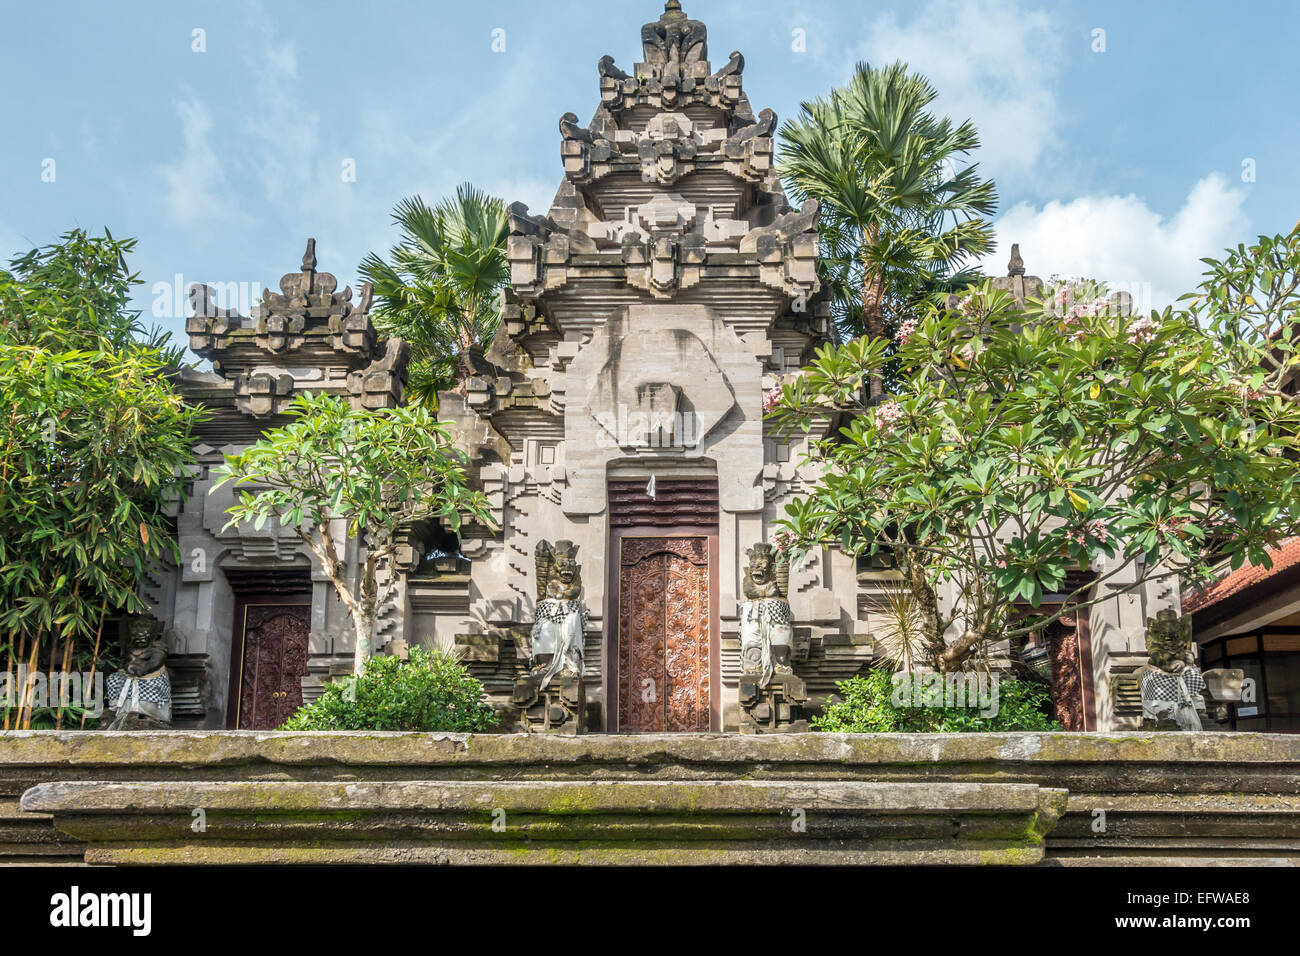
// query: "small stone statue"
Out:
[1173,690]
[557,635]
[140,695]
[766,632]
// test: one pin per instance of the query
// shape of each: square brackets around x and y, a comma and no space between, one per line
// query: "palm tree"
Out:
[440,288]
[898,217]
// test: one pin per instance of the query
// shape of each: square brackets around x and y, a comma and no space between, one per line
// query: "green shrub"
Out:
[869,705]
[430,691]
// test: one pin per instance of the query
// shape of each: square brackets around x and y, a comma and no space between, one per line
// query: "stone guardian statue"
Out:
[1173,690]
[140,695]
[766,631]
[560,619]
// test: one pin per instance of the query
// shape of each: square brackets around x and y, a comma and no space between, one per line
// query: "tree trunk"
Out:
[363,626]
[959,651]
[367,610]
[873,320]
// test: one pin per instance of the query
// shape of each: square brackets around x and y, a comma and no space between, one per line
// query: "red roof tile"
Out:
[1285,555]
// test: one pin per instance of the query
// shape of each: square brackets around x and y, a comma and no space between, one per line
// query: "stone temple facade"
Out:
[666,290]
[617,422]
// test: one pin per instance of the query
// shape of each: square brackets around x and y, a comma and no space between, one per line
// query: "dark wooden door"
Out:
[663,634]
[274,662]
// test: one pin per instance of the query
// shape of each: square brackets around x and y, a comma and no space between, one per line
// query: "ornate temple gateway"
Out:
[617,425]
[666,290]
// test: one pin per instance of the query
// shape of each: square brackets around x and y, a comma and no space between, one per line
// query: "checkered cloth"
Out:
[771,611]
[553,609]
[1183,688]
[763,622]
[150,694]
[1177,697]
[558,628]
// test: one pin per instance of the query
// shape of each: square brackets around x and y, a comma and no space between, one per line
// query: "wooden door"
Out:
[664,634]
[274,662]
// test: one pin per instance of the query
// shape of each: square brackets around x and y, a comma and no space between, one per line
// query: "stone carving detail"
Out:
[777,708]
[306,337]
[766,624]
[140,695]
[558,708]
[674,43]
[771,695]
[552,697]
[560,617]
[1172,686]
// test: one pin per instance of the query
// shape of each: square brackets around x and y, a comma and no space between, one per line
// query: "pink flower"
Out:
[770,399]
[1141,331]
[888,416]
[905,331]
[1091,529]
[1170,526]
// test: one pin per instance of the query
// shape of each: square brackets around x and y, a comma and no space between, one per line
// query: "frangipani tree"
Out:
[375,472]
[1250,300]
[1023,445]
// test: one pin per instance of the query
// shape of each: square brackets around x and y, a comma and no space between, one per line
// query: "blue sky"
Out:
[1123,163]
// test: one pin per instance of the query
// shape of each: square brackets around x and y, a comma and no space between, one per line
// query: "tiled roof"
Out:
[1284,556]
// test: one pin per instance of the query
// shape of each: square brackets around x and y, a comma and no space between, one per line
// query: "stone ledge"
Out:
[1171,798]
[607,821]
[215,748]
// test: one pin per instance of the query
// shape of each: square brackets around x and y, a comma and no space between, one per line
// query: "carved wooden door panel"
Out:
[274,664]
[663,643]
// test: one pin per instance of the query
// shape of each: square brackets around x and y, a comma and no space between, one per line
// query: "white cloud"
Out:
[288,157]
[993,62]
[1121,240]
[193,183]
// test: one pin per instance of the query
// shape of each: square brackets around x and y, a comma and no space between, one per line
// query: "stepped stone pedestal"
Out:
[557,708]
[774,709]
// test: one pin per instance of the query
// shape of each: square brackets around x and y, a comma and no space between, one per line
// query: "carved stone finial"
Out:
[674,41]
[309,257]
[607,68]
[1016,267]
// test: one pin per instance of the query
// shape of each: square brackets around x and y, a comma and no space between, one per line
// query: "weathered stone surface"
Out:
[540,821]
[1166,797]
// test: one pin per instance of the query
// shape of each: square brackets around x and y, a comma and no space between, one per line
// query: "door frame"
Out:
[240,619]
[614,568]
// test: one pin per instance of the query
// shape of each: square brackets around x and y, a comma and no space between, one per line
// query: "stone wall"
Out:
[1045,798]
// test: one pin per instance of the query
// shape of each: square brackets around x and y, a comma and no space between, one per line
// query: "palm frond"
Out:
[439,287]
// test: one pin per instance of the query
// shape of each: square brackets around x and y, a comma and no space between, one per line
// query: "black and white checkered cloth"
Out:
[1182,688]
[772,611]
[553,609]
[155,688]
